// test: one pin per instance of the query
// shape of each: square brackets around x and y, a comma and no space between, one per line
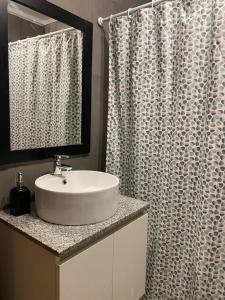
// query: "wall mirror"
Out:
[46,55]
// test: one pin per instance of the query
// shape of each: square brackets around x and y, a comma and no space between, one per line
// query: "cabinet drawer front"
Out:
[130,260]
[88,275]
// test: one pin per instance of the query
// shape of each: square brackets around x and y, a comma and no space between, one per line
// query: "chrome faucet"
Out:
[59,167]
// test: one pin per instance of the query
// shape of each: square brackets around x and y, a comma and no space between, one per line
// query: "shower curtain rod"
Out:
[131,10]
[43,35]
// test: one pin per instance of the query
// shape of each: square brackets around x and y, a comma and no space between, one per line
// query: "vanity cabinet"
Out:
[129,261]
[88,275]
[111,269]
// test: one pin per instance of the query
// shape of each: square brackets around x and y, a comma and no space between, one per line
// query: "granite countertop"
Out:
[64,241]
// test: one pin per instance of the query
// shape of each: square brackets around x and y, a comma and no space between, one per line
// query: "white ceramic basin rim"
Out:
[87,197]
[78,182]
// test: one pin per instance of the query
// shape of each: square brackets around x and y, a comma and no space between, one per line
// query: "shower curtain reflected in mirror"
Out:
[45,81]
[166,129]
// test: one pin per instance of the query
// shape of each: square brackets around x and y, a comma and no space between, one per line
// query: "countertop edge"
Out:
[29,237]
[86,242]
[101,234]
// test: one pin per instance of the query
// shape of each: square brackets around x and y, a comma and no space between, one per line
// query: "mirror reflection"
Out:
[45,80]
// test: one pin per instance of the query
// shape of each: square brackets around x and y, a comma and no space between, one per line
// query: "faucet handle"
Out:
[65,156]
[58,164]
[60,157]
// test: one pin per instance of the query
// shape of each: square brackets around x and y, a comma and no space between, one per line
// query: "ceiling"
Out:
[28,14]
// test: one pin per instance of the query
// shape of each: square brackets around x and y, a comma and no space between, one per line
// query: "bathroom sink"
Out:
[87,197]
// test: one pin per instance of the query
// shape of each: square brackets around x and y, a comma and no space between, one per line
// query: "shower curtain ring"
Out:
[153,5]
[110,18]
[153,1]
[128,13]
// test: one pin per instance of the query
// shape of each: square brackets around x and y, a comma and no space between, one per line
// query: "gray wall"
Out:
[19,29]
[55,26]
[90,10]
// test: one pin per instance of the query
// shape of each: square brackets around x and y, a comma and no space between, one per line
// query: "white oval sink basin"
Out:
[87,197]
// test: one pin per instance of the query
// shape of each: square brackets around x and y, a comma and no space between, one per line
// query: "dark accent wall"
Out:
[89,10]
[20,29]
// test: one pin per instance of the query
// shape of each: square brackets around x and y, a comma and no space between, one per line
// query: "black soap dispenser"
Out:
[20,198]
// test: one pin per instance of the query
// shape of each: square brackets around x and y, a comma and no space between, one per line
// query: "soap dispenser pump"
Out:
[20,198]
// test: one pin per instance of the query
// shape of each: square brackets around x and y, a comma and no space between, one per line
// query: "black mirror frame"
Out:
[59,14]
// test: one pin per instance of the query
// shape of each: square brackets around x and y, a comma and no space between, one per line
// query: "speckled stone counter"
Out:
[64,241]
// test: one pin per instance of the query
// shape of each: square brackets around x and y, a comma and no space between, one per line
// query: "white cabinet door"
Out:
[129,273]
[88,275]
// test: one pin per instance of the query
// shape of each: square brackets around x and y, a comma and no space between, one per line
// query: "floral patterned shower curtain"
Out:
[166,140]
[45,83]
